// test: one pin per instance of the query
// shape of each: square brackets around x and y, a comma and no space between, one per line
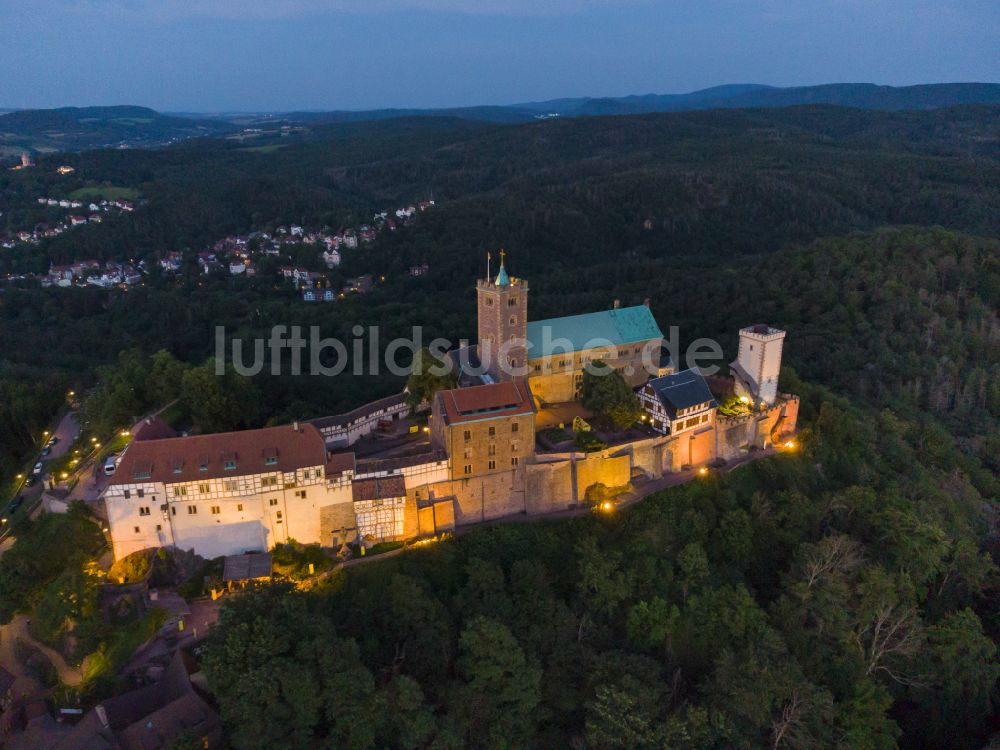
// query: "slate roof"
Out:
[153,428]
[374,465]
[624,325]
[379,488]
[682,390]
[361,413]
[247,567]
[188,715]
[6,681]
[149,718]
[507,399]
[338,463]
[181,459]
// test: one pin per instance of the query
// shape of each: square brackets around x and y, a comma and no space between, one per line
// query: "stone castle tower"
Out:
[758,363]
[503,325]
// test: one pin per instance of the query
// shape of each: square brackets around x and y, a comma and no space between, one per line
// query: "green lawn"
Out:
[107,192]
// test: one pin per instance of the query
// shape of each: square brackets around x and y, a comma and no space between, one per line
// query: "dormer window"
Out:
[270,460]
[229,464]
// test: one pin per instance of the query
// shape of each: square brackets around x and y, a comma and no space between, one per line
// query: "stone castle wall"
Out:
[549,487]
[761,430]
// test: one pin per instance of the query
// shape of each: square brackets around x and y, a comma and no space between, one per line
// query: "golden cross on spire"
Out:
[502,254]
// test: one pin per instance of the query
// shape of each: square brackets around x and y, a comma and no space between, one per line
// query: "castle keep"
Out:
[487,450]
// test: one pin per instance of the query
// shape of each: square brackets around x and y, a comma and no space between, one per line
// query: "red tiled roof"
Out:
[188,459]
[338,463]
[379,488]
[486,401]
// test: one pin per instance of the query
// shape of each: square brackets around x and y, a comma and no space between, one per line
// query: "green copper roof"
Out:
[579,332]
[502,278]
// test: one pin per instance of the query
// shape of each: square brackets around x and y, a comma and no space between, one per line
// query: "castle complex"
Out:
[498,443]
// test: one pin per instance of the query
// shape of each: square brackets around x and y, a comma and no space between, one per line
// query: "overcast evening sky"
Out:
[253,55]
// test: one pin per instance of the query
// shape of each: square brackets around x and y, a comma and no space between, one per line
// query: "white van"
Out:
[110,464]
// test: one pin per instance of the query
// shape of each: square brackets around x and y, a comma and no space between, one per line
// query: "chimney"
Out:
[646,302]
[103,716]
[618,303]
[295,425]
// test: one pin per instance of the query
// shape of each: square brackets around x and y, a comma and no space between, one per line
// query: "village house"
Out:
[331,258]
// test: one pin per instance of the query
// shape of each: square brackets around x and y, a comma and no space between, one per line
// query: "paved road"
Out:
[18,629]
[24,683]
[66,430]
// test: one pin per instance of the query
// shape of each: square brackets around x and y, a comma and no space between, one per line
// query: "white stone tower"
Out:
[758,363]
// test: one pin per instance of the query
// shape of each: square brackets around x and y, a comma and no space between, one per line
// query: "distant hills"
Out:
[80,128]
[734,96]
[747,96]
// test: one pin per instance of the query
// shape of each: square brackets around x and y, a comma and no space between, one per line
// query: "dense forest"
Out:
[841,596]
[836,598]
[702,212]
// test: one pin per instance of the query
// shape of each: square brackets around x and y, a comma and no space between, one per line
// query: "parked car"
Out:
[38,469]
[110,464]
[29,481]
[14,504]
[46,451]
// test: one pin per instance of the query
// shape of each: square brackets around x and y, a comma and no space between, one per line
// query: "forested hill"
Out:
[705,183]
[844,596]
[78,128]
[734,96]
[682,208]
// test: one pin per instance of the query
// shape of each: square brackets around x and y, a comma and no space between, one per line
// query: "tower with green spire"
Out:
[502,324]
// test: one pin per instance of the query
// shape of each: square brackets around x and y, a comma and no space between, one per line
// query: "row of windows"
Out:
[492,449]
[514,427]
[694,421]
[233,485]
[585,360]
[192,510]
[511,301]
[490,465]
[692,409]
